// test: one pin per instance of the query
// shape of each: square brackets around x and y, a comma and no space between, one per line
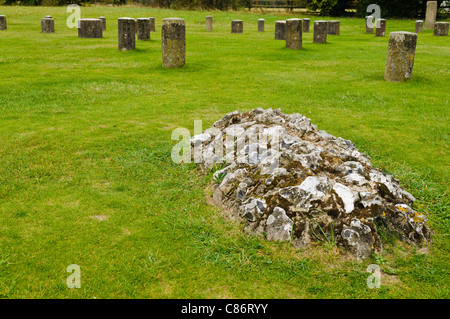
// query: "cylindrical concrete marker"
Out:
[305,24]
[47,25]
[237,26]
[2,22]
[152,24]
[441,29]
[280,30]
[320,31]
[294,34]
[369,24]
[103,23]
[419,26]
[209,23]
[127,33]
[430,15]
[400,56]
[334,27]
[90,28]
[380,30]
[173,43]
[143,29]
[261,25]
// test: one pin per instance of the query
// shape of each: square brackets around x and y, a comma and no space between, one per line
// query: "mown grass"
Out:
[86,176]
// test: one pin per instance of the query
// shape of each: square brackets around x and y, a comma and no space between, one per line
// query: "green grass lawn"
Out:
[86,176]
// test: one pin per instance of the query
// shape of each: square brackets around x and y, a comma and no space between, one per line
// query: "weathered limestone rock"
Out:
[419,26]
[320,31]
[103,23]
[2,22]
[306,23]
[90,28]
[173,43]
[152,24]
[127,33]
[380,30]
[280,30]
[441,29]
[237,26]
[334,27]
[261,25]
[143,28]
[430,16]
[294,34]
[308,186]
[369,24]
[47,25]
[400,56]
[209,23]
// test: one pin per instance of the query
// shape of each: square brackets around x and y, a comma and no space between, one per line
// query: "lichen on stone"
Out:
[289,181]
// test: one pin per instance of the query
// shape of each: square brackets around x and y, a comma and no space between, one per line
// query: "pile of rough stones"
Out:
[303,184]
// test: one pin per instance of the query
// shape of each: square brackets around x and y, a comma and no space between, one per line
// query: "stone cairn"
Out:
[419,26]
[308,186]
[280,30]
[209,23]
[237,26]
[441,29]
[90,28]
[320,31]
[306,23]
[294,34]
[400,56]
[2,22]
[152,25]
[430,15]
[47,25]
[173,43]
[143,28]
[261,25]
[380,30]
[127,33]
[369,24]
[334,27]
[103,23]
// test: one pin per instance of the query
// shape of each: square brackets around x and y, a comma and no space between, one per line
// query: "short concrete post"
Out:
[209,23]
[237,26]
[441,29]
[419,26]
[47,25]
[152,24]
[380,30]
[320,31]
[261,25]
[2,22]
[90,28]
[173,43]
[103,23]
[369,24]
[400,56]
[143,29]
[280,30]
[430,16]
[127,33]
[294,34]
[305,24]
[334,27]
